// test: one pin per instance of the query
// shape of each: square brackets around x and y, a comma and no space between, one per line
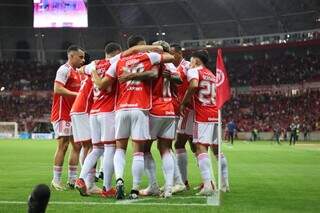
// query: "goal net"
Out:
[9,130]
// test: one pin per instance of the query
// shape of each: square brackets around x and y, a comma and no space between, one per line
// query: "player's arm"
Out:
[193,85]
[142,48]
[171,74]
[102,83]
[146,75]
[61,90]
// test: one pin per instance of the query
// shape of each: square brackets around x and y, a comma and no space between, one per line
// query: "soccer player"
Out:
[102,118]
[66,87]
[184,127]
[201,92]
[162,127]
[133,101]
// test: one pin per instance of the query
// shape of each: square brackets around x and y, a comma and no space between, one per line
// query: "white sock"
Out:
[57,170]
[108,167]
[81,157]
[150,168]
[90,178]
[177,175]
[182,159]
[119,161]
[205,170]
[137,169]
[90,161]
[168,169]
[72,173]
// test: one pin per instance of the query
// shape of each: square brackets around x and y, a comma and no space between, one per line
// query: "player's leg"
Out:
[73,163]
[225,187]
[203,137]
[122,134]
[140,134]
[184,132]
[62,131]
[84,181]
[150,169]
[107,124]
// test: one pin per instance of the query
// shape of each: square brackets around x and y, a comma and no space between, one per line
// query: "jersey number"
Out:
[134,69]
[207,93]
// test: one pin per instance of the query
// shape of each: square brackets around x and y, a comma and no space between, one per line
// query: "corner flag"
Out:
[223,93]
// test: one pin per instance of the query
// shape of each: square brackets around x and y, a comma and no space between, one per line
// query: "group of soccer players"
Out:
[147,93]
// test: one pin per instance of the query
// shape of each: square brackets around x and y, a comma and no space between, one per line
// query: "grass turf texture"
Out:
[263,177]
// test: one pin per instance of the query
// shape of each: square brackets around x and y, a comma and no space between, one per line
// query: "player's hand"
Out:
[158,49]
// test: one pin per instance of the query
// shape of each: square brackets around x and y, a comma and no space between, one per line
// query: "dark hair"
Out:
[203,55]
[133,40]
[177,47]
[74,48]
[111,47]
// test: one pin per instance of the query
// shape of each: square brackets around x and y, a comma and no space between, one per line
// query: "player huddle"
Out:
[147,93]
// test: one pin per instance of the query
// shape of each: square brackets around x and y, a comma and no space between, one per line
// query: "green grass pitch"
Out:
[264,177]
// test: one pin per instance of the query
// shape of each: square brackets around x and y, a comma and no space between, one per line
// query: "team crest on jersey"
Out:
[219,77]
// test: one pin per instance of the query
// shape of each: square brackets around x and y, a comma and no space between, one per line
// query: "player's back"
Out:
[135,94]
[162,104]
[205,96]
[61,105]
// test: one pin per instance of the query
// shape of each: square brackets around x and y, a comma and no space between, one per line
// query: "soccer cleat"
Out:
[94,189]
[207,191]
[166,194]
[81,187]
[161,189]
[150,191]
[108,193]
[134,194]
[120,189]
[178,188]
[57,186]
[70,185]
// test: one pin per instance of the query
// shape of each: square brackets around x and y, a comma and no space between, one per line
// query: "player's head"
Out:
[135,40]
[112,49]
[38,199]
[176,51]
[199,58]
[165,45]
[75,56]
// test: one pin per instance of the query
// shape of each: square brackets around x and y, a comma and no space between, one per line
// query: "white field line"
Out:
[125,202]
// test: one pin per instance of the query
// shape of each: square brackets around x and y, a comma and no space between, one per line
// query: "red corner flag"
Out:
[223,93]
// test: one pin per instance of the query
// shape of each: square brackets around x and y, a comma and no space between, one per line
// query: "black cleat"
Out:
[71,186]
[134,194]
[120,189]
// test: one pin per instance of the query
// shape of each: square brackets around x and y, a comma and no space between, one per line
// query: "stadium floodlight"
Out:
[2,89]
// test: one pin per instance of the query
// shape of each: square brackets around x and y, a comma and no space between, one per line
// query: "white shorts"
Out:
[62,128]
[134,123]
[102,128]
[162,127]
[205,133]
[80,127]
[185,124]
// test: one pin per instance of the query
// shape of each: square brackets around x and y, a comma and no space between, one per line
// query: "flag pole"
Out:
[219,148]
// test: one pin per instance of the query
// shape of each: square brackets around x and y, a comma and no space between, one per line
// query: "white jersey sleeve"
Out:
[115,58]
[170,67]
[89,68]
[155,58]
[112,71]
[62,74]
[192,74]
